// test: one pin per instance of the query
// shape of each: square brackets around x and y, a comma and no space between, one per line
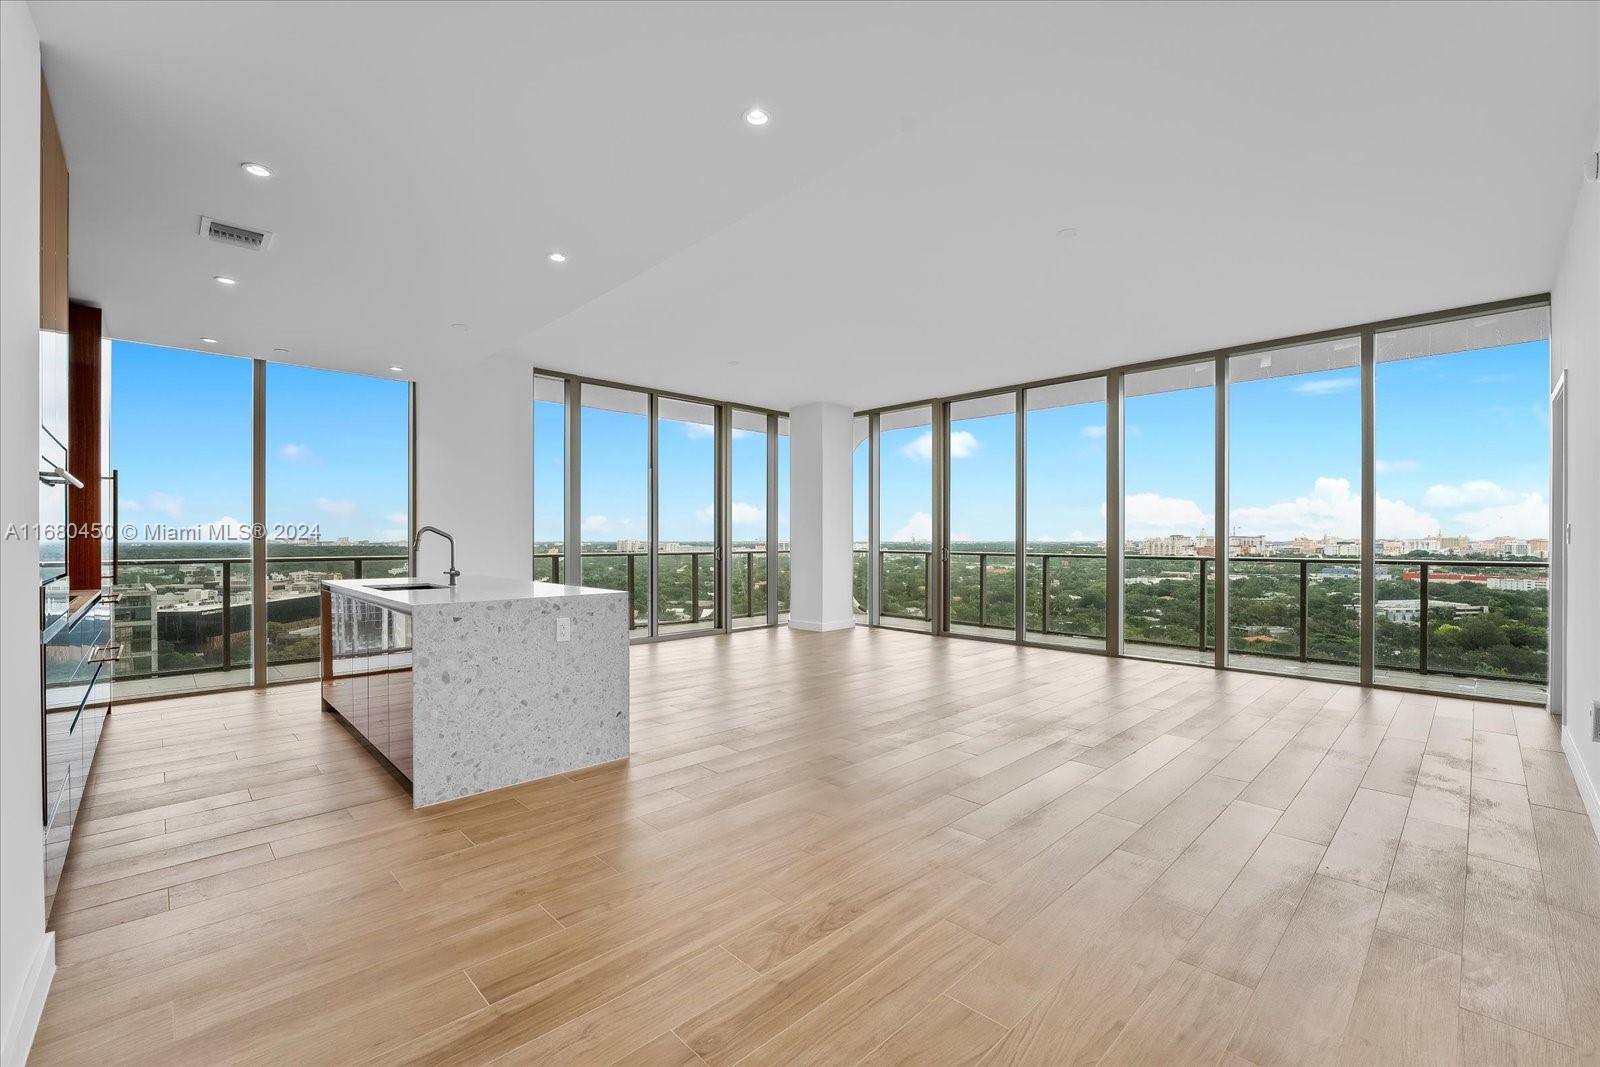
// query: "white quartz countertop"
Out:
[469,589]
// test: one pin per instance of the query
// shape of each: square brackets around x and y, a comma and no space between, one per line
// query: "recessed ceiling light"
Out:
[458,326]
[1067,233]
[733,363]
[256,170]
[285,351]
[220,280]
[757,117]
[209,340]
[557,257]
[398,370]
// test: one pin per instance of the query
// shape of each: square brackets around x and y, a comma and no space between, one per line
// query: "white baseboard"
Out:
[1580,772]
[30,1003]
[820,626]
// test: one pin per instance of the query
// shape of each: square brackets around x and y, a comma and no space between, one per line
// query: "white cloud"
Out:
[1094,433]
[1467,494]
[697,431]
[336,505]
[295,453]
[399,518]
[1151,515]
[917,528]
[596,524]
[397,534]
[1396,466]
[1525,516]
[1326,386]
[962,445]
[160,503]
[1330,509]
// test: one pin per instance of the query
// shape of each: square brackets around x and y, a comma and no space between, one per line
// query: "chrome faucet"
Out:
[417,540]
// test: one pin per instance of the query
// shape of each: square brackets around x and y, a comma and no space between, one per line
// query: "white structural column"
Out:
[819,517]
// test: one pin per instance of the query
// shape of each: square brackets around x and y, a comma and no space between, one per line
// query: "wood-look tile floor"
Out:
[865,847]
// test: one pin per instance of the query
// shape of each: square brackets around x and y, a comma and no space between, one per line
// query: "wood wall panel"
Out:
[83,444]
[54,197]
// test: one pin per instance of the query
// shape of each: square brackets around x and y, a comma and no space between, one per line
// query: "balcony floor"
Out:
[861,846]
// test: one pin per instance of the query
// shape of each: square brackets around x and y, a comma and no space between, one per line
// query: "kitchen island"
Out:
[492,682]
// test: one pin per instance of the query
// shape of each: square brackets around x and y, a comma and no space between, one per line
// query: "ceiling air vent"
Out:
[237,236]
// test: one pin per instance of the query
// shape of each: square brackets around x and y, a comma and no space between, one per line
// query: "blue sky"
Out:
[180,441]
[615,463]
[1462,446]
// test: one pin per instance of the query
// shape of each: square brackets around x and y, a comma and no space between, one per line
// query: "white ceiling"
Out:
[1233,172]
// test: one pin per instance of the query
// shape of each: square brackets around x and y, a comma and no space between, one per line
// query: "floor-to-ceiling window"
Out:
[905,517]
[781,446]
[1065,485]
[680,501]
[981,577]
[748,519]
[1294,551]
[1462,471]
[1168,511]
[184,504]
[614,456]
[861,517]
[686,495]
[338,494]
[1448,413]
[549,477]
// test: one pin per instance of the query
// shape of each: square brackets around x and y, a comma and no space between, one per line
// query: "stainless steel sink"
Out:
[406,585]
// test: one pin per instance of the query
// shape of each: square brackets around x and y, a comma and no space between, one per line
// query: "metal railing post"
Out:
[983,589]
[1202,624]
[694,586]
[630,591]
[227,614]
[1422,636]
[1044,594]
[1305,609]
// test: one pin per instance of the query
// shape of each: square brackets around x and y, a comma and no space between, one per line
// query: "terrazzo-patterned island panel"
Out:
[497,700]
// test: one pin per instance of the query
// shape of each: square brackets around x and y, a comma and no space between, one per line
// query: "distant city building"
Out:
[1410,611]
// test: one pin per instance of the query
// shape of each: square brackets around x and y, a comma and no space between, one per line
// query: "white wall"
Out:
[820,499]
[474,448]
[1575,349]
[26,951]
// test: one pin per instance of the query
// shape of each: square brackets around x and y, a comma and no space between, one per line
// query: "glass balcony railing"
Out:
[685,583]
[190,620]
[1486,620]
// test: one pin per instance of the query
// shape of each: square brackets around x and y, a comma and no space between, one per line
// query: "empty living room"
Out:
[712,534]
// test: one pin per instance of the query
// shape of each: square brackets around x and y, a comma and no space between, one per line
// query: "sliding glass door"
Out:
[1294,559]
[905,517]
[615,488]
[686,536]
[1169,512]
[683,503]
[981,576]
[1065,572]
